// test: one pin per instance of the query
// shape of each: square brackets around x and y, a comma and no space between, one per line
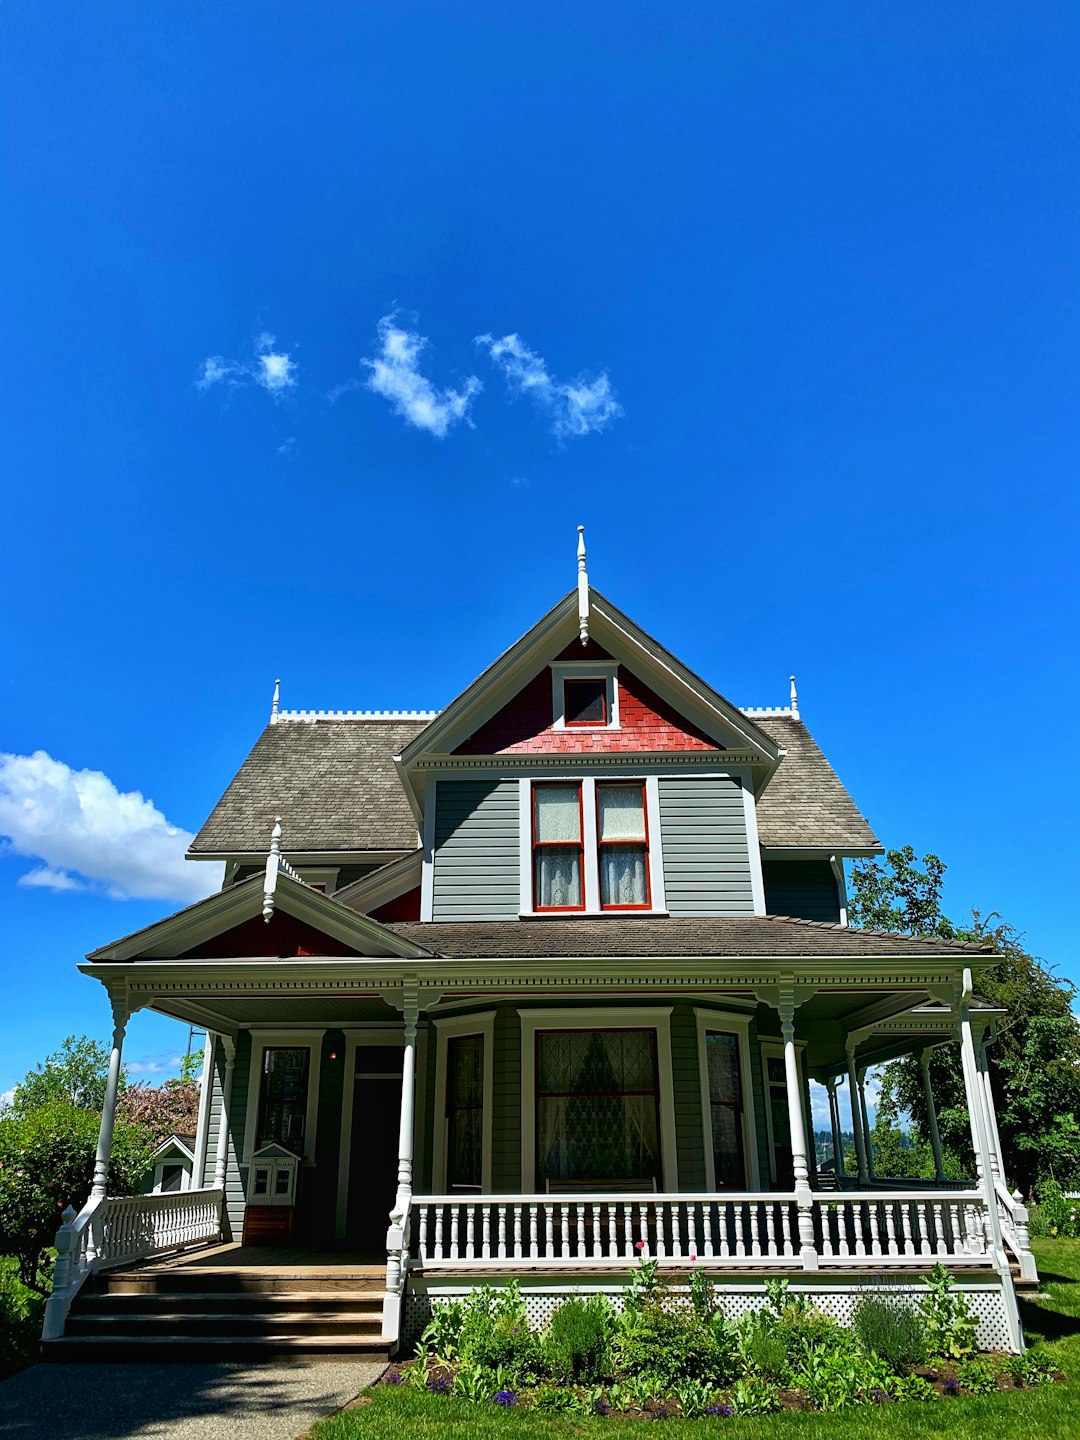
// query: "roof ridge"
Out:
[286,715]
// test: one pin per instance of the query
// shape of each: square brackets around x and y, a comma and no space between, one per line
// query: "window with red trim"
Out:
[622,834]
[585,700]
[558,853]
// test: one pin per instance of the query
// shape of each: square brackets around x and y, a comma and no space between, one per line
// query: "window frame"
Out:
[558,845]
[261,1041]
[602,845]
[601,680]
[447,1028]
[539,1094]
[728,1022]
[615,1017]
[563,670]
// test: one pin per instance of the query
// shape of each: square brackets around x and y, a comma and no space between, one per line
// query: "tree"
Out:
[169,1109]
[47,1163]
[77,1073]
[1035,1062]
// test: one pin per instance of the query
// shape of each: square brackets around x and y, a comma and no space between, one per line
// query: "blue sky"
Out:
[796,306]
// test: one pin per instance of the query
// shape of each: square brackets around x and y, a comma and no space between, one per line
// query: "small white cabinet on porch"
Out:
[273,1181]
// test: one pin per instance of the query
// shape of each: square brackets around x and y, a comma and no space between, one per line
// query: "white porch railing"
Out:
[752,1230]
[1013,1217]
[116,1231]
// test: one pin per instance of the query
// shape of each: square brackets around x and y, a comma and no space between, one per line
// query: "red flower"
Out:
[640,1245]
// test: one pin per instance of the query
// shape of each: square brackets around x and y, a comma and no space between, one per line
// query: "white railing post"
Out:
[931,1113]
[992,1137]
[221,1156]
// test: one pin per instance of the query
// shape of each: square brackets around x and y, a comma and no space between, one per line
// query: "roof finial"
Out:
[275,705]
[273,865]
[794,700]
[582,588]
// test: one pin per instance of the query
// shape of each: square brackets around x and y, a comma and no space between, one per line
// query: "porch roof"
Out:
[750,936]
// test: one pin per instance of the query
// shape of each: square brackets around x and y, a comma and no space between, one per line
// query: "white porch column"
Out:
[981,1144]
[206,1087]
[834,1124]
[797,1126]
[856,1116]
[397,1236]
[868,1143]
[121,1011]
[931,1113]
[221,1156]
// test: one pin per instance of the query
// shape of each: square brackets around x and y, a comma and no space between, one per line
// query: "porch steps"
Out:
[221,1313]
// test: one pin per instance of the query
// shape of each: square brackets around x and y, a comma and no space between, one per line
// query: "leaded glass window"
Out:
[465,1112]
[726,1110]
[597,1106]
[283,1101]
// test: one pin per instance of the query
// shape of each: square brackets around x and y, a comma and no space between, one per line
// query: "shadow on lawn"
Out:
[1037,1319]
[114,1401]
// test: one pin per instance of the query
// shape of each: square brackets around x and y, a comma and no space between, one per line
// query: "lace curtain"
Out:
[558,842]
[621,822]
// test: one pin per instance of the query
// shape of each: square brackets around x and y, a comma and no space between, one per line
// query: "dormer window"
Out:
[584,695]
[585,700]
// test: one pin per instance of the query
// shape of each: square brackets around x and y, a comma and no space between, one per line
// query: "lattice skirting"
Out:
[838,1300]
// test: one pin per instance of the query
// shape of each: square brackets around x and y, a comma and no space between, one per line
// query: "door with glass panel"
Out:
[464,1117]
[373,1151]
[597,1109]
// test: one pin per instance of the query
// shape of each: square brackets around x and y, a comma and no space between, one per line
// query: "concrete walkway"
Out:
[177,1401]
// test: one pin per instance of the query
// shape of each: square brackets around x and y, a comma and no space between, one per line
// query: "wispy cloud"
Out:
[90,836]
[154,1065]
[572,407]
[394,373]
[7,1097]
[272,369]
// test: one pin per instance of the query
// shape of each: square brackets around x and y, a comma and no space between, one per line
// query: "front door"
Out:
[373,1154]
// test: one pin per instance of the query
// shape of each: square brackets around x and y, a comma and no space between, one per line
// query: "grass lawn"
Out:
[1051,1412]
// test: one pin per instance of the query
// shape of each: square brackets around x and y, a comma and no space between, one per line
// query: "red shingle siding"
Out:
[405,907]
[523,727]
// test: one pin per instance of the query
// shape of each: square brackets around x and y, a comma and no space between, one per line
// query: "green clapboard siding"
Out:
[477,868]
[234,1180]
[506,1109]
[686,1088]
[706,855]
[804,889]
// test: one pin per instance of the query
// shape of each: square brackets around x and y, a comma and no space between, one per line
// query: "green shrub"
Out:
[950,1325]
[911,1387]
[977,1377]
[1054,1215]
[21,1313]
[674,1346]
[889,1328]
[1032,1368]
[753,1397]
[576,1347]
[763,1346]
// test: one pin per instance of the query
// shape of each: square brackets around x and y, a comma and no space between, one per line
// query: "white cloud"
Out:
[574,407]
[395,375]
[88,835]
[151,1065]
[7,1097]
[272,369]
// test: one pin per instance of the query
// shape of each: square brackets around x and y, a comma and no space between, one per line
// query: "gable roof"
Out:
[332,781]
[804,804]
[196,924]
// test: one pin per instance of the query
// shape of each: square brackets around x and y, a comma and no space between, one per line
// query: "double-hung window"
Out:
[558,851]
[622,846]
[579,866]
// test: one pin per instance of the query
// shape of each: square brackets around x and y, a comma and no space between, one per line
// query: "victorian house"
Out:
[531,986]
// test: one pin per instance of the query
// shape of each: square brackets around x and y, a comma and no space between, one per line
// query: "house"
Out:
[542,979]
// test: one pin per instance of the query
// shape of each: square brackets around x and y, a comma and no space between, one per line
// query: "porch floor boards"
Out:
[285,1262]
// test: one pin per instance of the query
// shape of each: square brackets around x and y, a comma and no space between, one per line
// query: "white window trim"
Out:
[613,1018]
[728,1022]
[590,846]
[390,1032]
[753,844]
[772,1048]
[261,1040]
[321,875]
[605,670]
[447,1028]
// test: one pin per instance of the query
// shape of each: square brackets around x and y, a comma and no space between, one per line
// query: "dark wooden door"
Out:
[373,1155]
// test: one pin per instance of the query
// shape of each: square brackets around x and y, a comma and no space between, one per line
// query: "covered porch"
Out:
[418,1090]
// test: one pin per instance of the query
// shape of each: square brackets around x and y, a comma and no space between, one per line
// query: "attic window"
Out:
[585,700]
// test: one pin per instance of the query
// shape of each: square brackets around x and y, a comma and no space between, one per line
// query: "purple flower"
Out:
[505,1397]
[394,1378]
[951,1387]
[601,1407]
[440,1384]
[880,1396]
[725,1410]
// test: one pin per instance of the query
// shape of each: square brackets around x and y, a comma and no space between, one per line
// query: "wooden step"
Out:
[212,1324]
[176,1282]
[224,1301]
[158,1348]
